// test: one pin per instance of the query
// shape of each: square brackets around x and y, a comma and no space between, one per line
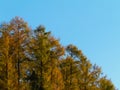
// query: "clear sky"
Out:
[91,25]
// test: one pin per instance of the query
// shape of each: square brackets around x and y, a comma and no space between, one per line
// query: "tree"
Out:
[14,35]
[69,71]
[45,52]
[35,60]
[106,84]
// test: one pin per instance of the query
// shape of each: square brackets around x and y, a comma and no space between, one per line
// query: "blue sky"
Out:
[91,25]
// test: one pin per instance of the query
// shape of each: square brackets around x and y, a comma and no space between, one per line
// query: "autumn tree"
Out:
[13,37]
[35,60]
[106,84]
[45,52]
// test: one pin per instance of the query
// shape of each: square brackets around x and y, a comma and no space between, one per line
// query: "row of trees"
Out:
[35,60]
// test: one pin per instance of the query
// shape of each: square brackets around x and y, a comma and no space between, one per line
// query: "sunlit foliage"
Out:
[35,60]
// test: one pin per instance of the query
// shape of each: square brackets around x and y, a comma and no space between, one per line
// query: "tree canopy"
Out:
[35,60]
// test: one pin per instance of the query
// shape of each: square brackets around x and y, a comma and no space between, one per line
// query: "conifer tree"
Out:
[106,84]
[35,60]
[13,37]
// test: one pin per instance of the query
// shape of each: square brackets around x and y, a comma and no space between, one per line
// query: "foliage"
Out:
[35,60]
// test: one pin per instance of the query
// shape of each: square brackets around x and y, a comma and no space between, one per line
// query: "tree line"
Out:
[35,60]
